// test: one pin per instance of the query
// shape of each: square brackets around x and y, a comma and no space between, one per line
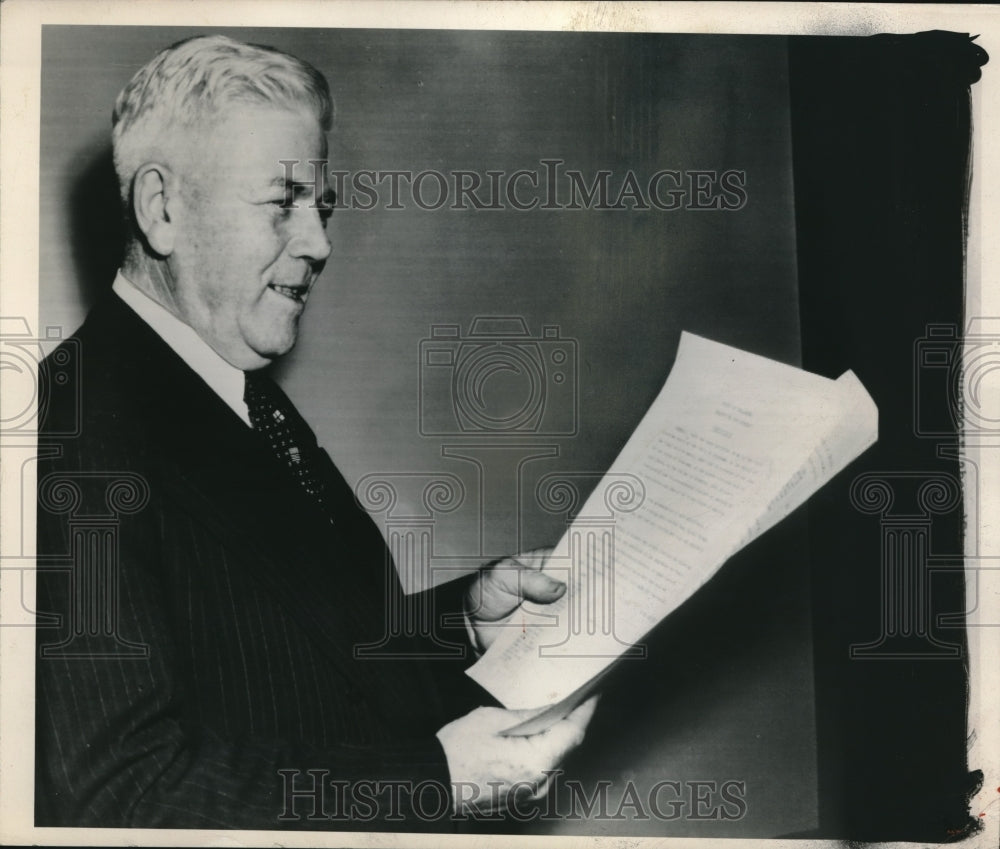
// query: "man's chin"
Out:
[270,339]
[273,349]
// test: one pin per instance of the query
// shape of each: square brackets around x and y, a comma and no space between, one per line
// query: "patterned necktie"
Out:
[292,440]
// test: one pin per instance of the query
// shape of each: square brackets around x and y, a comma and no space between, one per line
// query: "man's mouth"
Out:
[294,293]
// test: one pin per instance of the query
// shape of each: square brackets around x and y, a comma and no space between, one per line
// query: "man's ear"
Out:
[154,204]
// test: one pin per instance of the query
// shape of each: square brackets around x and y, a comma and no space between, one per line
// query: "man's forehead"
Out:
[267,133]
[250,146]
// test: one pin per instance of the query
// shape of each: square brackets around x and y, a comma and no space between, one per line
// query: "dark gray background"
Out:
[622,284]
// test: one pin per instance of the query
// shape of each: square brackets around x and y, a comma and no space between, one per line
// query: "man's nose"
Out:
[309,239]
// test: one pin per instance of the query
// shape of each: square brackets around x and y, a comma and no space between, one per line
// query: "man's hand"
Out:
[489,772]
[500,588]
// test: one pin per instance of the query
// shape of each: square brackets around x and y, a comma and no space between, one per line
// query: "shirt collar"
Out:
[223,378]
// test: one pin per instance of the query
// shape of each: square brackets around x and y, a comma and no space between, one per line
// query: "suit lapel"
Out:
[222,473]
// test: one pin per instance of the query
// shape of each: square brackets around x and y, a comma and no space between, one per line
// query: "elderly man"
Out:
[203,672]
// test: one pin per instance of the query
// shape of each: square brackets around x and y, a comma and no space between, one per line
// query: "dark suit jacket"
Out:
[208,614]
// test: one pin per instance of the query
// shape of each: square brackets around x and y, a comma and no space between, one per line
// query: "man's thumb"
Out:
[537,586]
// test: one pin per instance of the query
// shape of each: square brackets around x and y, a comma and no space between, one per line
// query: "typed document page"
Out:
[733,443]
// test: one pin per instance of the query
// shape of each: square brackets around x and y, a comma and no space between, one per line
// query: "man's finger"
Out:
[571,729]
[567,734]
[537,586]
[584,712]
[512,573]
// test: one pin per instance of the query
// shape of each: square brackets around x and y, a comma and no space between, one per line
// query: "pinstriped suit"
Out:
[236,607]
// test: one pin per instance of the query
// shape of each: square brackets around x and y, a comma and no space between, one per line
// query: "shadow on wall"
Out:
[97,226]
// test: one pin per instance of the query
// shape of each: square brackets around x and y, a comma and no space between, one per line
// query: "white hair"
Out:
[190,82]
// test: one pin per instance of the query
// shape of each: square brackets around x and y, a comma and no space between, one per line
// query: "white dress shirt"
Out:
[223,378]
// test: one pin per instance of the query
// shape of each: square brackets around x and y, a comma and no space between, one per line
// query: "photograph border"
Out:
[20,57]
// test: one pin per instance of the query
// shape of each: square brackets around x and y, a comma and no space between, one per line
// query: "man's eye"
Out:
[281,207]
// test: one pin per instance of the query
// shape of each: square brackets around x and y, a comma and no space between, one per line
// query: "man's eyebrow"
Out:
[297,187]
[286,183]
